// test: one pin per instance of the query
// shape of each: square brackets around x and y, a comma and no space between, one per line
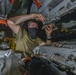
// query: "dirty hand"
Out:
[39,17]
[48,30]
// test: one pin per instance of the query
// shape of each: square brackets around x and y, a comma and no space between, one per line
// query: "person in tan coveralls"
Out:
[27,41]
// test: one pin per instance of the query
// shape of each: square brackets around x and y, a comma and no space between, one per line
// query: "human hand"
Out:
[39,17]
[48,30]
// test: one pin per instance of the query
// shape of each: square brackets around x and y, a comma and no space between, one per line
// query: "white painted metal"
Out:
[44,5]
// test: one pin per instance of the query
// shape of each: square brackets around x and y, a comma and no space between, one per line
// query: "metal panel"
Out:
[44,5]
[62,9]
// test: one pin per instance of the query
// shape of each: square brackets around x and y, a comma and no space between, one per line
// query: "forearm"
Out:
[48,42]
[48,39]
[22,18]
